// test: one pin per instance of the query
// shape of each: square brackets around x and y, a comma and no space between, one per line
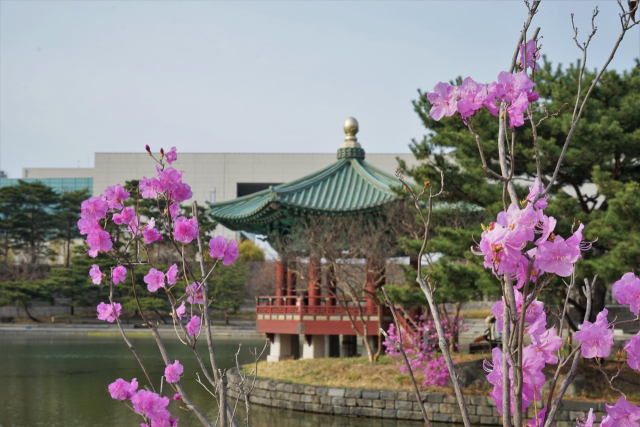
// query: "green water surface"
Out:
[57,380]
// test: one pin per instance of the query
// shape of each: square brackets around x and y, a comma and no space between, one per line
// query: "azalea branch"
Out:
[552,408]
[399,347]
[610,380]
[429,294]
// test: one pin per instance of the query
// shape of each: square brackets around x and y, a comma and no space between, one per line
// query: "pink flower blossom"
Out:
[627,291]
[151,235]
[596,338]
[99,240]
[169,178]
[93,208]
[217,246]
[472,95]
[126,217]
[96,274]
[195,293]
[231,253]
[523,268]
[531,55]
[172,372]
[171,155]
[116,195]
[546,343]
[494,95]
[153,407]
[123,390]
[532,366]
[539,421]
[149,188]
[193,327]
[174,208]
[87,226]
[526,219]
[547,225]
[154,280]
[633,352]
[533,192]
[105,312]
[555,257]
[498,311]
[589,421]
[577,244]
[517,109]
[118,274]
[512,85]
[172,274]
[181,193]
[623,413]
[177,397]
[180,311]
[501,248]
[443,99]
[185,230]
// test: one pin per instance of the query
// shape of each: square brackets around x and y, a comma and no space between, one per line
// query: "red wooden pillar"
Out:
[375,279]
[314,281]
[414,312]
[281,280]
[331,285]
[291,287]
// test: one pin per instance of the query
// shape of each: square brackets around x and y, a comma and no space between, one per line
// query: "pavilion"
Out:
[350,186]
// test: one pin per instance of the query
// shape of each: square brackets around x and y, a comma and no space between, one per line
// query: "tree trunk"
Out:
[24,306]
[226,318]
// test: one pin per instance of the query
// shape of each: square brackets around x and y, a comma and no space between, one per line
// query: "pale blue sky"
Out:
[84,76]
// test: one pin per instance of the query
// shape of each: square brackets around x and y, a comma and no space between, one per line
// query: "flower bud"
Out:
[146,147]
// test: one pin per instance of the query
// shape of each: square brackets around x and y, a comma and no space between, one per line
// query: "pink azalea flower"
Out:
[589,421]
[170,179]
[532,366]
[96,274]
[123,390]
[532,56]
[514,84]
[193,327]
[577,244]
[532,96]
[231,253]
[195,293]
[151,235]
[501,248]
[93,208]
[87,226]
[173,210]
[523,268]
[623,413]
[172,372]
[607,421]
[126,217]
[533,192]
[539,421]
[627,291]
[517,109]
[172,274]
[118,274]
[217,246]
[149,188]
[633,352]
[154,280]
[494,95]
[546,343]
[443,99]
[472,95]
[526,219]
[116,195]
[555,257]
[171,155]
[153,407]
[596,338]
[105,312]
[498,311]
[99,240]
[177,397]
[185,230]
[547,225]
[181,193]
[180,311]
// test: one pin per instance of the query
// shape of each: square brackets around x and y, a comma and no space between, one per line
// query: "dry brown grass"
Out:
[475,314]
[347,372]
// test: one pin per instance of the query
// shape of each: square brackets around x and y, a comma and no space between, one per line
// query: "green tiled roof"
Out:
[347,187]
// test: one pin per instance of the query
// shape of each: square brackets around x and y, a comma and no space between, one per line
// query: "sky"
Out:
[82,77]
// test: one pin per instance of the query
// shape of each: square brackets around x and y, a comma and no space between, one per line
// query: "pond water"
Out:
[61,381]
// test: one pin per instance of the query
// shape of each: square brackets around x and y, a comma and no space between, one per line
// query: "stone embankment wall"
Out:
[391,404]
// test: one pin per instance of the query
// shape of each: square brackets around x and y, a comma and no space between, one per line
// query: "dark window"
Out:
[246,188]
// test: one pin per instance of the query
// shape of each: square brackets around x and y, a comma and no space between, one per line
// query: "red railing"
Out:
[328,306]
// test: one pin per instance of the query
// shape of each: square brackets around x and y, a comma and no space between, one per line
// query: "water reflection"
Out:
[61,381]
